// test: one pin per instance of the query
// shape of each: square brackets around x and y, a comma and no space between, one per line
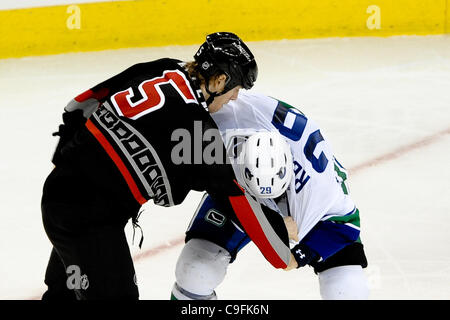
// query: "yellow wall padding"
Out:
[142,23]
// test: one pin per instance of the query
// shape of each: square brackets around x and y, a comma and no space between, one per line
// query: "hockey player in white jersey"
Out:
[299,178]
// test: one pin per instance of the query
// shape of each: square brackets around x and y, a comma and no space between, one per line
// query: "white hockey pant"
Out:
[201,267]
[344,282]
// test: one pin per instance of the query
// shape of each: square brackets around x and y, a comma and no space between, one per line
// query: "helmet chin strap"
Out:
[212,95]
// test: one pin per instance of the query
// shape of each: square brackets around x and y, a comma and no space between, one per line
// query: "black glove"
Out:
[73,121]
[303,255]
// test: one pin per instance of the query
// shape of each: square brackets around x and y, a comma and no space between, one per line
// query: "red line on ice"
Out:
[400,151]
[161,248]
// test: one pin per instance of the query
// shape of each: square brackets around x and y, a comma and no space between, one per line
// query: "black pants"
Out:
[353,254]
[90,257]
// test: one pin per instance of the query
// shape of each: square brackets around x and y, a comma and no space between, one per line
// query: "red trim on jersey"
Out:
[239,186]
[84,96]
[117,160]
[247,217]
[88,94]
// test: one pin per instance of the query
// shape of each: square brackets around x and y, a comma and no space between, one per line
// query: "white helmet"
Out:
[265,164]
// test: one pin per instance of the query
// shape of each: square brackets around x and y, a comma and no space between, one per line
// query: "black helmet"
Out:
[225,52]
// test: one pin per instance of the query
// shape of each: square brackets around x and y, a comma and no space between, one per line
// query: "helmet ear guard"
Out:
[266,165]
[225,53]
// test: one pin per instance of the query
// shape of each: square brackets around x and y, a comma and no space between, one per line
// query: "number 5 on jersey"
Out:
[152,96]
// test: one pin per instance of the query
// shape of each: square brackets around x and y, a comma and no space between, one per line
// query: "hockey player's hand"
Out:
[292,264]
[72,122]
[291,227]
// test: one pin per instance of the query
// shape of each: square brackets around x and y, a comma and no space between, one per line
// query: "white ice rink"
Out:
[383,103]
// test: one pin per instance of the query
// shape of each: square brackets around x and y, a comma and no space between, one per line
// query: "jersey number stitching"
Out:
[152,96]
[297,124]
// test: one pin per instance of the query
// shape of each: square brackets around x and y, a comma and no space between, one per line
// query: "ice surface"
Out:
[371,96]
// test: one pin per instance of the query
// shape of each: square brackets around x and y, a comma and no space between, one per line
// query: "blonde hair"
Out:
[193,70]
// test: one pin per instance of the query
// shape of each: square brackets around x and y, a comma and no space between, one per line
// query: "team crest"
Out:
[215,217]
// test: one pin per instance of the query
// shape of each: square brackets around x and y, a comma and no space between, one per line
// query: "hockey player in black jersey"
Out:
[116,152]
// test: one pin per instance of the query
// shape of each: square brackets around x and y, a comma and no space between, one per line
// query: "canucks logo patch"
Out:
[215,217]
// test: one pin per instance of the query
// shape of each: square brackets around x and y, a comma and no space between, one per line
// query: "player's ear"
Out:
[218,83]
[222,78]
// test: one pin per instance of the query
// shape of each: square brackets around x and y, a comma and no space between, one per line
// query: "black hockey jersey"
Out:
[124,153]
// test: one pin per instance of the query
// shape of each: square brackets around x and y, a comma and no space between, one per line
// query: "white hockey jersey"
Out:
[317,191]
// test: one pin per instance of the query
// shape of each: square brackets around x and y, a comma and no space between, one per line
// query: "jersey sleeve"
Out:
[264,226]
[329,236]
[80,108]
[89,100]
